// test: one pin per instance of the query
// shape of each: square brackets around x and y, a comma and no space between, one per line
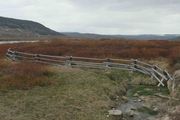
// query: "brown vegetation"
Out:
[23,75]
[103,48]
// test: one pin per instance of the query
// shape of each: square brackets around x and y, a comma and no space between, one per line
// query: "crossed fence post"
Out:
[155,75]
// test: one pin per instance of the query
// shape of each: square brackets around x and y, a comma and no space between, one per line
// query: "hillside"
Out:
[10,27]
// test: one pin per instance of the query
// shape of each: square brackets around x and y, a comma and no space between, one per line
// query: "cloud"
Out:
[99,16]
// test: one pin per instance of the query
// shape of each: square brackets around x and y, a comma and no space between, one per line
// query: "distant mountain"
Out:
[85,35]
[151,37]
[23,29]
[136,37]
[177,38]
[10,27]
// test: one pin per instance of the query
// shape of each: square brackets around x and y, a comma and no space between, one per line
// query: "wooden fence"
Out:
[83,62]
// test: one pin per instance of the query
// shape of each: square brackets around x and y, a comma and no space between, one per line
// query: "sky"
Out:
[99,16]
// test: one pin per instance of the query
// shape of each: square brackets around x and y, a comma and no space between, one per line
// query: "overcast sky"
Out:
[99,16]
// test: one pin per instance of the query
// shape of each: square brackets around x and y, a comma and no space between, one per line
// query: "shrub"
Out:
[25,76]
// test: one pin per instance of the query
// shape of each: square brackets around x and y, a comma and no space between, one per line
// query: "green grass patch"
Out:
[74,95]
[147,90]
[118,75]
[62,93]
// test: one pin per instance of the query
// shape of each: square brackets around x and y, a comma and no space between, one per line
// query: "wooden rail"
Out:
[82,62]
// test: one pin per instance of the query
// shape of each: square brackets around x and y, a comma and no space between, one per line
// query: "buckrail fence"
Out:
[154,71]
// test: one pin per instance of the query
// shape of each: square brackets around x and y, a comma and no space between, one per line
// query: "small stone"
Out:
[115,112]
[117,98]
[142,97]
[136,95]
[133,108]
[155,109]
[131,113]
[139,100]
[124,98]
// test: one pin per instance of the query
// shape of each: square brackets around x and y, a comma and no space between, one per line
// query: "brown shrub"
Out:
[175,55]
[25,76]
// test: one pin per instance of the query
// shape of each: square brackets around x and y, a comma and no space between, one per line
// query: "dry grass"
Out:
[76,95]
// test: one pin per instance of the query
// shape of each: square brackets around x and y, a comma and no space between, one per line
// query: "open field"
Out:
[34,91]
[102,48]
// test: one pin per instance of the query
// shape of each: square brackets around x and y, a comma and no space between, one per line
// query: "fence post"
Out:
[9,49]
[8,54]
[134,64]
[152,72]
[36,57]
[14,55]
[107,63]
[68,61]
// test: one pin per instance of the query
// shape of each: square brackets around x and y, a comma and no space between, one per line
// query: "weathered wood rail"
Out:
[153,71]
